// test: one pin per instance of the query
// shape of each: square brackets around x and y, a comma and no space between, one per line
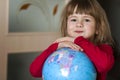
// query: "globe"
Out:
[68,64]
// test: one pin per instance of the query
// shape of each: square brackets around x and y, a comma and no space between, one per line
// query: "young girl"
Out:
[84,27]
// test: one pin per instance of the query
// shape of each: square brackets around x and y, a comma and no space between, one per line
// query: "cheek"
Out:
[70,26]
[90,29]
[69,30]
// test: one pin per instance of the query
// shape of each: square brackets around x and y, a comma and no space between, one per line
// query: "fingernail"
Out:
[81,49]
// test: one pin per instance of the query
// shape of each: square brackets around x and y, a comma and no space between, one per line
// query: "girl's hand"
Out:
[70,45]
[68,42]
[65,39]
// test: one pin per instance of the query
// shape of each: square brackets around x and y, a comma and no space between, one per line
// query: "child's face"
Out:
[81,25]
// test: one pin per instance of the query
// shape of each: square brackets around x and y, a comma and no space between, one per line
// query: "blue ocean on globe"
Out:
[68,64]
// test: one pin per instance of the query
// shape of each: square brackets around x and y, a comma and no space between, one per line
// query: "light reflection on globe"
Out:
[68,64]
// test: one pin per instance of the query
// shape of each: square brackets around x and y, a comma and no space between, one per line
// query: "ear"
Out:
[96,32]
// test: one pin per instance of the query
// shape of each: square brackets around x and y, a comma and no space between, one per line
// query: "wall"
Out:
[18,66]
[112,8]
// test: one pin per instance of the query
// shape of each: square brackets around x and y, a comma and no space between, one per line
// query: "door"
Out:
[19,42]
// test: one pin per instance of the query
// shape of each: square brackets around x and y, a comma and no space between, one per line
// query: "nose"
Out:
[79,24]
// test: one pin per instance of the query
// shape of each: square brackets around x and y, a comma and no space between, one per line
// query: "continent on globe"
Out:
[68,64]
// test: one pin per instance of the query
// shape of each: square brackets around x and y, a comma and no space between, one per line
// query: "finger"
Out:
[59,40]
[81,49]
[76,47]
[65,39]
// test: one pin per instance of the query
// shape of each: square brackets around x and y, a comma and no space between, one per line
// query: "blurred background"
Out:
[27,27]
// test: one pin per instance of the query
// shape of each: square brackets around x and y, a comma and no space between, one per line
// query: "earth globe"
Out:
[68,64]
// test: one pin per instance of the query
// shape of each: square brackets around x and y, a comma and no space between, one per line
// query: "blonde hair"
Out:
[93,8]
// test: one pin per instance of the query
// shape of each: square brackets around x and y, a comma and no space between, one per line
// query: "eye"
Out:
[73,20]
[87,20]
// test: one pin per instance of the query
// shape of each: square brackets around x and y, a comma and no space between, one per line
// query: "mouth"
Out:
[78,31]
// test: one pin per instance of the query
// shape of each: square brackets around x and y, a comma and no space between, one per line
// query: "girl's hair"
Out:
[93,8]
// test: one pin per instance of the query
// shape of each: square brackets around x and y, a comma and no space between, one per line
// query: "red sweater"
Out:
[101,56]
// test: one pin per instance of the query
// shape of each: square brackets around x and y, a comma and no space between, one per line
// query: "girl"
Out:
[84,27]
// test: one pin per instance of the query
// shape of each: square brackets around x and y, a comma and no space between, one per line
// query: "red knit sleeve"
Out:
[37,64]
[101,56]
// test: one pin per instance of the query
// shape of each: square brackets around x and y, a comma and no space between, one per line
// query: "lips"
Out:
[78,31]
